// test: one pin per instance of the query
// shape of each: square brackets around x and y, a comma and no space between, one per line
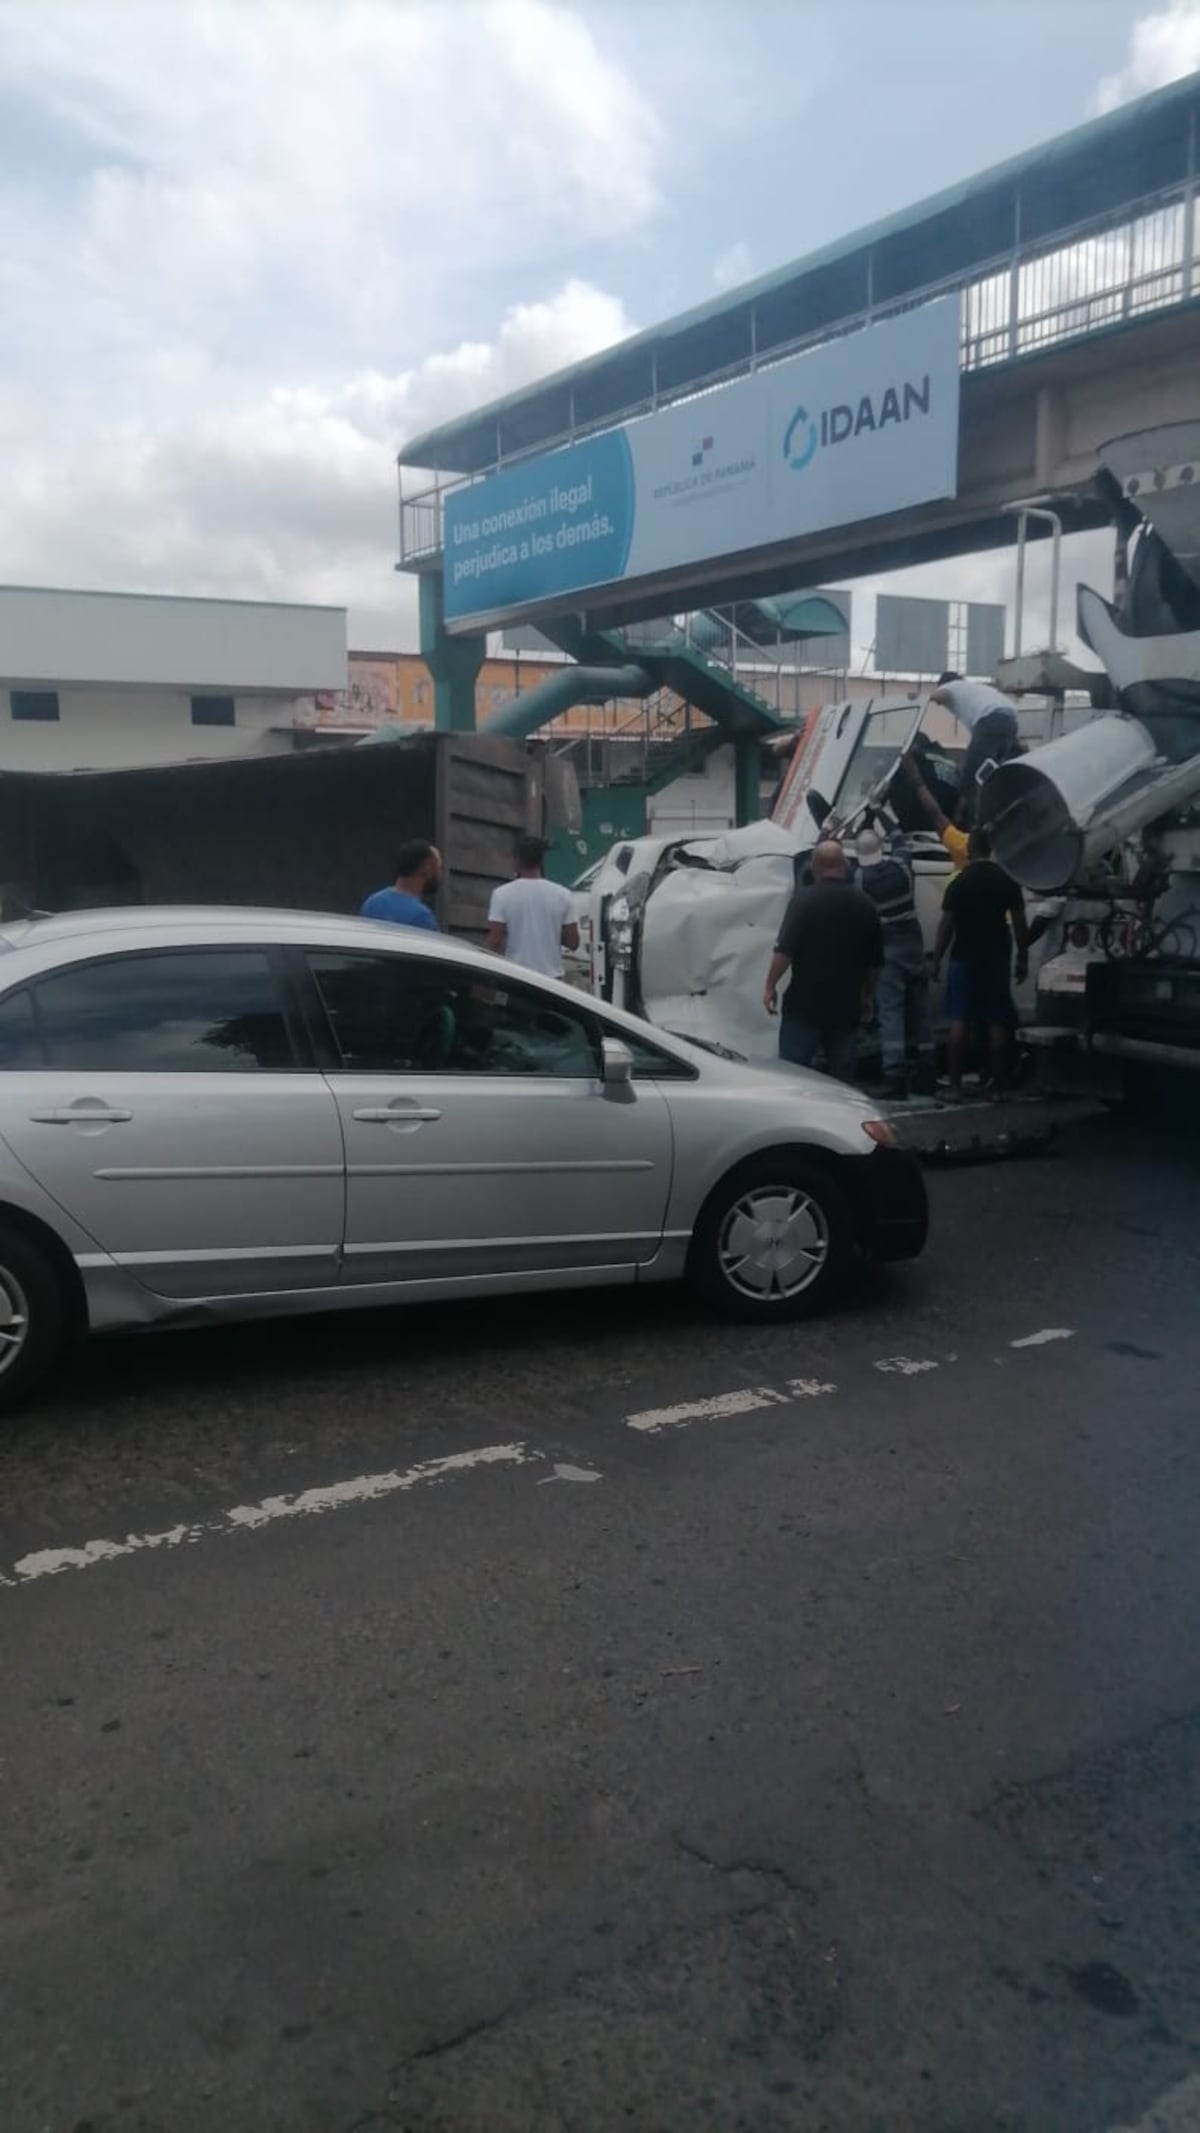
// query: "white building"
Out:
[104,681]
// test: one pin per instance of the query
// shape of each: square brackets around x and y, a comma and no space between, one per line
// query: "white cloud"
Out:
[1163,47]
[734,266]
[248,175]
[230,231]
[290,494]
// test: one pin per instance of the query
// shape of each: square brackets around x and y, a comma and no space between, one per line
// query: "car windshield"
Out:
[707,1044]
[885,735]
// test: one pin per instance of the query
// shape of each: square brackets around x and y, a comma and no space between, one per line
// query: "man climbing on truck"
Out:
[954,838]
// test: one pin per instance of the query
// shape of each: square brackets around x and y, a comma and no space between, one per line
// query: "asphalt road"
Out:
[772,1731]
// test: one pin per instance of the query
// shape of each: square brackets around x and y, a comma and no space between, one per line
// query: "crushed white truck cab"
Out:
[687,930]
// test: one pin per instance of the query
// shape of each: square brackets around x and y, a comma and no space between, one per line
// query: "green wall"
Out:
[608,813]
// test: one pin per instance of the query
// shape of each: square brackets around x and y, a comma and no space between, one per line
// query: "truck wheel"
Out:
[33,1317]
[775,1241]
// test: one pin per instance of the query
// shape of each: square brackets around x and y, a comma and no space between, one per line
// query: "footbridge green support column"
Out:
[747,778]
[454,662]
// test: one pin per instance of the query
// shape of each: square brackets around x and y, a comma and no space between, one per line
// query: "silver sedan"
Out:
[216,1114]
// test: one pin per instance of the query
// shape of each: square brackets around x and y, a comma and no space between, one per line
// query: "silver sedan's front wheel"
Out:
[774,1240]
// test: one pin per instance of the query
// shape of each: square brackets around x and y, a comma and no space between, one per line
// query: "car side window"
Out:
[391,1014]
[170,1011]
[20,1044]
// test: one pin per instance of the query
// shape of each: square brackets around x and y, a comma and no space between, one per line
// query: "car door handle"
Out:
[396,1115]
[78,1115]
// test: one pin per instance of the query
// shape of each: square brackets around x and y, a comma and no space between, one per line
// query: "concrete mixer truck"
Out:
[1103,824]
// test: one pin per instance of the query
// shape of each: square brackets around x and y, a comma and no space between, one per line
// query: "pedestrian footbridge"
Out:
[1074,272]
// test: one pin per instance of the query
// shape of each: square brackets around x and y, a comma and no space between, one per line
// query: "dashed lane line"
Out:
[251,1517]
[909,1366]
[719,1405]
[369,1488]
[749,1399]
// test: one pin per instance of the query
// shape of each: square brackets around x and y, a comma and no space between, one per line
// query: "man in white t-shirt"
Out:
[991,722]
[530,919]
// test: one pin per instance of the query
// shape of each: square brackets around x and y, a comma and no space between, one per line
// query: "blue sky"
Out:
[788,123]
[247,245]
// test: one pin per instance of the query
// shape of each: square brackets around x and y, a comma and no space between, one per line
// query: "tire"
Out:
[34,1318]
[761,1196]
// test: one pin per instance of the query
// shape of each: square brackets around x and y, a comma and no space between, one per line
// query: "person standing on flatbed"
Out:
[978,908]
[832,942]
[902,992]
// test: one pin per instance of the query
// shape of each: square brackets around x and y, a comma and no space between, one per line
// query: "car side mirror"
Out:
[616,1063]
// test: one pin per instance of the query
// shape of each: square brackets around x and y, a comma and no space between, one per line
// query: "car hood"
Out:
[779,1081]
[778,1074]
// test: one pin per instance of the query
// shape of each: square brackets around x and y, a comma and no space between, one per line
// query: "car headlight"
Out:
[879,1131]
[620,932]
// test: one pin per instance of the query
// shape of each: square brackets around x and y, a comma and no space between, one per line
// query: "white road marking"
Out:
[308,1503]
[366,1488]
[47,1561]
[369,1488]
[745,1401]
[710,1410]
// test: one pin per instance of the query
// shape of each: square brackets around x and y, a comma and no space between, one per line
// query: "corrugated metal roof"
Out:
[1093,170]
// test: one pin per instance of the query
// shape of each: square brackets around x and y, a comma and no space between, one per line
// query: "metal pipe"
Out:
[1025,510]
[567,686]
[1189,211]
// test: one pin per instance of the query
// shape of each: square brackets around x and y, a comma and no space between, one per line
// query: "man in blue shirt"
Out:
[418,871]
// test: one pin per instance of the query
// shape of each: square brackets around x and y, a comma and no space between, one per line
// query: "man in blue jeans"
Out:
[903,991]
[979,907]
[831,940]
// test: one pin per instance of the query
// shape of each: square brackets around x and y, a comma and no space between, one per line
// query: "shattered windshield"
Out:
[885,736]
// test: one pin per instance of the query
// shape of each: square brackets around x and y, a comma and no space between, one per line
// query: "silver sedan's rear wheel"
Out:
[34,1315]
[774,1241]
[14,1320]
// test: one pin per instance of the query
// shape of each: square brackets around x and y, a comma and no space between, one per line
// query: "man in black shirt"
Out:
[977,909]
[832,942]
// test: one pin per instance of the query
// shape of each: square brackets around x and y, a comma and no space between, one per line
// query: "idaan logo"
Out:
[800,441]
[904,401]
